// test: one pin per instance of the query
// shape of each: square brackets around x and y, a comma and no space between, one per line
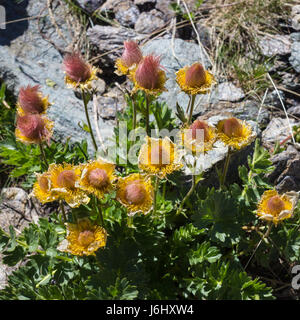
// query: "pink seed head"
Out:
[76,68]
[199,125]
[135,192]
[98,178]
[195,75]
[32,126]
[132,54]
[85,238]
[232,127]
[147,75]
[275,205]
[66,179]
[30,99]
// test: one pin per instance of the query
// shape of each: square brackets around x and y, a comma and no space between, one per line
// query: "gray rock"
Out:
[149,22]
[204,34]
[26,58]
[295,111]
[273,99]
[295,15]
[277,130]
[227,91]
[275,45]
[110,39]
[294,59]
[295,36]
[126,13]
[164,7]
[163,47]
[90,5]
[142,2]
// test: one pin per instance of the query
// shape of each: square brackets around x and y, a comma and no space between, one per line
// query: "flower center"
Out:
[85,238]
[195,75]
[66,179]
[275,205]
[43,183]
[76,68]
[232,128]
[147,73]
[31,126]
[196,128]
[158,156]
[135,192]
[98,178]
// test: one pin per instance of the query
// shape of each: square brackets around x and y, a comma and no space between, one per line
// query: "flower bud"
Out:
[135,192]
[66,179]
[32,126]
[198,125]
[76,68]
[132,54]
[86,237]
[147,73]
[98,178]
[232,127]
[195,75]
[275,205]
[30,99]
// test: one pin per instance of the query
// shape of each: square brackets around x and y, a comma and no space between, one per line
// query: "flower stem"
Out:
[147,116]
[156,185]
[88,119]
[226,165]
[187,195]
[43,155]
[98,209]
[134,112]
[63,210]
[193,97]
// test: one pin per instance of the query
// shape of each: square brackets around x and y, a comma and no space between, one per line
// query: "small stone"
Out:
[287,184]
[295,111]
[275,45]
[273,99]
[295,56]
[142,2]
[164,6]
[126,13]
[295,14]
[90,5]
[227,91]
[149,22]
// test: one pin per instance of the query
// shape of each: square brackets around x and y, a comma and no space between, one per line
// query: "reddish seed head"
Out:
[32,126]
[98,178]
[132,54]
[195,75]
[43,183]
[275,205]
[135,192]
[146,74]
[232,127]
[86,237]
[30,100]
[66,179]
[199,125]
[76,68]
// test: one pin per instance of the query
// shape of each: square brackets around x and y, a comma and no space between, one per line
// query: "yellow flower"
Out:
[42,188]
[148,76]
[85,238]
[159,157]
[97,177]
[274,207]
[196,140]
[78,72]
[64,180]
[33,128]
[135,192]
[194,79]
[235,133]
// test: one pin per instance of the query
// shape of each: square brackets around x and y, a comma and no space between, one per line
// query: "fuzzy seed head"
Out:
[30,99]
[135,192]
[98,178]
[66,179]
[31,126]
[132,54]
[275,205]
[85,238]
[195,75]
[76,68]
[199,125]
[232,127]
[43,183]
[146,74]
